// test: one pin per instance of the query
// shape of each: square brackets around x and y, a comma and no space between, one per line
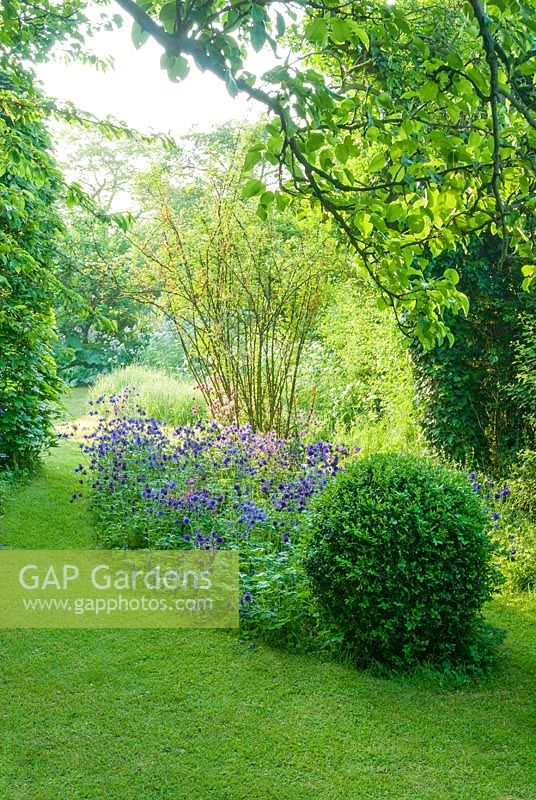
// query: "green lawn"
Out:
[167,715]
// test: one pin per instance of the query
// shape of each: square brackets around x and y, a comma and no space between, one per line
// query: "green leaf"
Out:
[378,163]
[364,224]
[177,67]
[342,152]
[395,212]
[280,24]
[372,133]
[252,188]
[266,198]
[452,276]
[257,36]
[261,212]
[316,31]
[315,141]
[252,157]
[231,85]
[281,201]
[464,303]
[139,35]
[385,100]
[258,14]
[449,198]
[363,36]
[429,91]
[341,30]
[168,15]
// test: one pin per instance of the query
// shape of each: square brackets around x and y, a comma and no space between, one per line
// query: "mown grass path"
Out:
[167,715]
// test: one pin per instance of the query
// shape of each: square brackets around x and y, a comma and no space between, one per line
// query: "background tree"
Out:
[99,324]
[410,127]
[470,407]
[409,141]
[30,185]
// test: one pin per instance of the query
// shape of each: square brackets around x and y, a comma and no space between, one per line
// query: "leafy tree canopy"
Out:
[411,127]
[32,30]
[29,227]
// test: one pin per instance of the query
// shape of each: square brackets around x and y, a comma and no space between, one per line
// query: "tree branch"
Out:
[490,48]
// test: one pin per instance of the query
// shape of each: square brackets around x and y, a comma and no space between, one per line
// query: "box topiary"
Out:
[400,563]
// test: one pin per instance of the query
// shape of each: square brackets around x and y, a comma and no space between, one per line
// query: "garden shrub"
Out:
[400,563]
[356,374]
[523,391]
[522,518]
[30,185]
[523,484]
[83,355]
[476,397]
[244,297]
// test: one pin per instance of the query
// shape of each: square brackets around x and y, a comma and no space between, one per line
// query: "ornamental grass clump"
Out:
[400,563]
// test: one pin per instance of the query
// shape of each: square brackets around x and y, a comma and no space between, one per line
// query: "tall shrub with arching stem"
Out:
[244,298]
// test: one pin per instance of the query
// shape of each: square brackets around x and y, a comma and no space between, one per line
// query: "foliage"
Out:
[520,569]
[410,127]
[29,228]
[159,347]
[513,509]
[212,486]
[524,485]
[357,375]
[164,397]
[473,396]
[87,352]
[244,299]
[102,322]
[292,721]
[31,31]
[99,323]
[523,390]
[400,563]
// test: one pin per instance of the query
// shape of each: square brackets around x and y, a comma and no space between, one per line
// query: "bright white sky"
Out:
[140,93]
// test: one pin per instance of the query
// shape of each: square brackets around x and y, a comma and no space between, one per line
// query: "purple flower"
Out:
[208,476]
